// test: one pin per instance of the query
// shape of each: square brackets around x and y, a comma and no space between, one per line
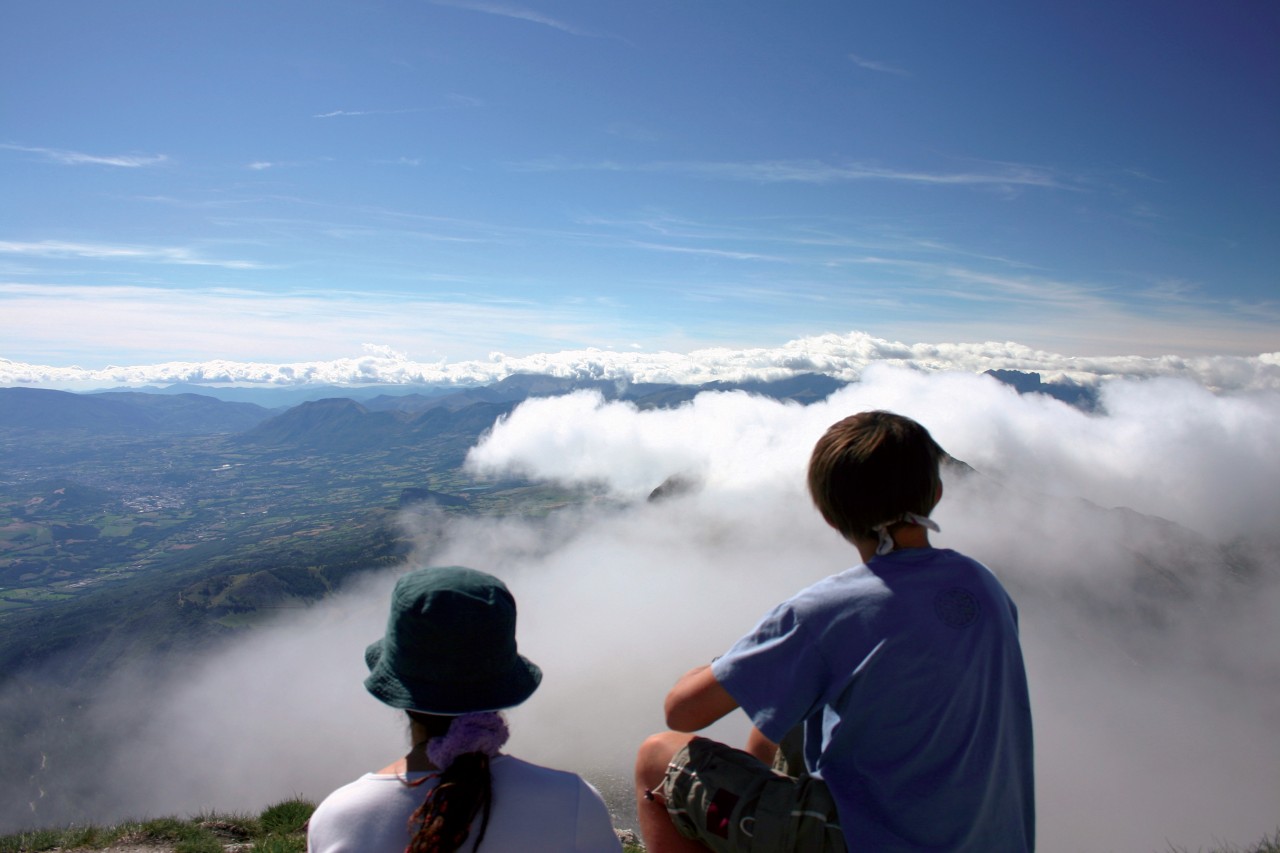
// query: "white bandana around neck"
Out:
[886,538]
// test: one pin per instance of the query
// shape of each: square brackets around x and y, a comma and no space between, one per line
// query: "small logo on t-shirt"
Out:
[957,608]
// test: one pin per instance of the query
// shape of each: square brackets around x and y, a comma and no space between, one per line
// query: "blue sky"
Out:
[296,181]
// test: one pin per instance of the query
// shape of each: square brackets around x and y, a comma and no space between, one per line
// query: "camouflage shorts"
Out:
[734,803]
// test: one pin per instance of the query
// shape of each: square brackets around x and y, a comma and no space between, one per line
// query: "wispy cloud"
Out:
[956,281]
[153,254]
[1002,175]
[818,172]
[350,113]
[1174,290]
[718,253]
[78,158]
[263,165]
[1180,294]
[519,13]
[457,99]
[367,222]
[206,324]
[633,131]
[876,65]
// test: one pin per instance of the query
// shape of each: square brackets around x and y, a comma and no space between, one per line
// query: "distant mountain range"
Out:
[124,412]
[326,416]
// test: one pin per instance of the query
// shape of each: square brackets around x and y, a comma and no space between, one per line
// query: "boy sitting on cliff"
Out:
[905,675]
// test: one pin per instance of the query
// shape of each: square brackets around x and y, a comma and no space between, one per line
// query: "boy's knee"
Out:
[655,754]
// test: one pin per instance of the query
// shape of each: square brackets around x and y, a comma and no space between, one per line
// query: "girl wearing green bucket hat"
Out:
[449,660]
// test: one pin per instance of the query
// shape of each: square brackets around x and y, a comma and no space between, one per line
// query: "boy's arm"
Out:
[697,701]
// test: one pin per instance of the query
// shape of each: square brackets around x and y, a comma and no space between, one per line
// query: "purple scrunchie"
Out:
[485,732]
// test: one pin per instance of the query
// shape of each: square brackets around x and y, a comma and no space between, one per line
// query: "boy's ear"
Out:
[938,497]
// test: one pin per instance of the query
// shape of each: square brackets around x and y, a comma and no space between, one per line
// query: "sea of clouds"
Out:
[844,356]
[1149,632]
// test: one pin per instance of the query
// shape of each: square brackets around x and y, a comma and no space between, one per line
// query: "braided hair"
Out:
[464,788]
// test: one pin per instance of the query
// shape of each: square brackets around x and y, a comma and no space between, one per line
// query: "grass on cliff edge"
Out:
[279,829]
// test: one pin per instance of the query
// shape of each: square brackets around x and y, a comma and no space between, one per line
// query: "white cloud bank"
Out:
[844,355]
[1155,701]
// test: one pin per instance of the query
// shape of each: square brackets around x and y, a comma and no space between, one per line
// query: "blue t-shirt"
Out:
[907,675]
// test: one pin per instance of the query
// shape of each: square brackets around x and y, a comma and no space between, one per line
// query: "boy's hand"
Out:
[697,701]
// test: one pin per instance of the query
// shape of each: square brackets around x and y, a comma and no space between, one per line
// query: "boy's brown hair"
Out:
[874,467]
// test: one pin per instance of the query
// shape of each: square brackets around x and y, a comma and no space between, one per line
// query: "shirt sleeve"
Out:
[361,816]
[776,673]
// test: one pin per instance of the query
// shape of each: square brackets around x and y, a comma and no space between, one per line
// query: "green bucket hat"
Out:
[450,646]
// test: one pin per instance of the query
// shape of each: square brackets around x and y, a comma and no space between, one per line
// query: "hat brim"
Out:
[511,687]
